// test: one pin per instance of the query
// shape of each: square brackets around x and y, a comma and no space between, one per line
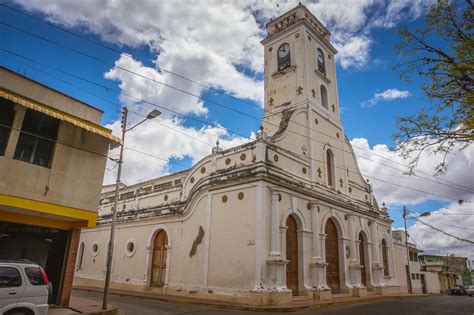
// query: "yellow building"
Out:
[53,153]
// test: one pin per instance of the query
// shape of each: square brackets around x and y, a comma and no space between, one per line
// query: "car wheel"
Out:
[19,311]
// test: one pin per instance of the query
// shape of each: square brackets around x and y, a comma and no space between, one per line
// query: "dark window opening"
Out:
[324,97]
[37,139]
[80,255]
[9,277]
[7,113]
[330,167]
[321,62]
[284,56]
[34,276]
[385,258]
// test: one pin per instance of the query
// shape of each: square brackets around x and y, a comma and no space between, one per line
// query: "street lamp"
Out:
[405,217]
[110,253]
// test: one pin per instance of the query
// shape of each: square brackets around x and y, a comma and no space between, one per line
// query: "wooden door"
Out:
[332,257]
[292,255]
[158,264]
[363,274]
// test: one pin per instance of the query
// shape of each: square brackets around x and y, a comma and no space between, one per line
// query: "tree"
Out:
[442,55]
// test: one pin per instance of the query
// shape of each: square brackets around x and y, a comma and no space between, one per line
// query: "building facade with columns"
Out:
[286,214]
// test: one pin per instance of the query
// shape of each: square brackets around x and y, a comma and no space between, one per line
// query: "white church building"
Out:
[288,214]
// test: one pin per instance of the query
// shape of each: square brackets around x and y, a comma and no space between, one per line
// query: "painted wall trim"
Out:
[40,221]
[49,208]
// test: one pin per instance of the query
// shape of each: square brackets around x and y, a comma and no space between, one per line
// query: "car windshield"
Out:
[34,275]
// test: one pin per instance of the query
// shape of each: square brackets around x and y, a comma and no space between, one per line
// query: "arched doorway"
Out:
[158,263]
[292,255]
[332,257]
[363,273]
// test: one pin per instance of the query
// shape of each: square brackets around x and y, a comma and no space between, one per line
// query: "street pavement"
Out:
[420,305]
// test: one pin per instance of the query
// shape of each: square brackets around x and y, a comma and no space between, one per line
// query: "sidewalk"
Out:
[83,306]
[299,303]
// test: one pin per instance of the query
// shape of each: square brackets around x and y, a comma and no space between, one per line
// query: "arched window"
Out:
[384,258]
[324,97]
[321,62]
[80,256]
[284,56]
[330,167]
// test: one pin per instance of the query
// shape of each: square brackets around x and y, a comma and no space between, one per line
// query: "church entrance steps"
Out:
[300,303]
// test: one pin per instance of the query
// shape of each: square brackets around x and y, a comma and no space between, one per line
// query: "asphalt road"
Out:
[422,305]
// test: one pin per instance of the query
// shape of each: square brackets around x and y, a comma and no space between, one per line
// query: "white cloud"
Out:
[208,40]
[387,95]
[385,178]
[451,219]
[151,91]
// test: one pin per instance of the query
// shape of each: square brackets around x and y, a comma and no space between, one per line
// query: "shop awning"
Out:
[89,126]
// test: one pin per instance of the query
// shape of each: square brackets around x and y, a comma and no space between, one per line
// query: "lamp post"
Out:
[110,252]
[405,217]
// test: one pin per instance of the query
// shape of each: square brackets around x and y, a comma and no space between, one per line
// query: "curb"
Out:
[227,305]
[112,311]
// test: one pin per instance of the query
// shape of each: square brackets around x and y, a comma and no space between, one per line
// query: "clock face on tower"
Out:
[284,50]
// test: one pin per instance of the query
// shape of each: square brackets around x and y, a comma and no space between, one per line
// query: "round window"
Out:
[95,249]
[130,249]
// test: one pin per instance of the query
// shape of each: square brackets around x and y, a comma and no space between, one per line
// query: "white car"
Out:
[23,288]
[470,290]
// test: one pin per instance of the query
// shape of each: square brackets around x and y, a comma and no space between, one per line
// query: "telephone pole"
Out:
[110,253]
[405,214]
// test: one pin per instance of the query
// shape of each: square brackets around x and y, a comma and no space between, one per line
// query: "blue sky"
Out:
[362,72]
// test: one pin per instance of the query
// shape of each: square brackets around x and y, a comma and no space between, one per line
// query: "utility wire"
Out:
[186,78]
[445,233]
[207,87]
[435,213]
[156,120]
[303,156]
[214,125]
[218,104]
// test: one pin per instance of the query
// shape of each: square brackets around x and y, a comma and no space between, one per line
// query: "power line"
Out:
[306,157]
[227,107]
[436,212]
[193,81]
[128,56]
[445,233]
[456,226]
[156,120]
[214,125]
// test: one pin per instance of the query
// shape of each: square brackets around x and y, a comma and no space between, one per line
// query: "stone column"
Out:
[377,267]
[375,242]
[276,263]
[358,288]
[392,263]
[318,264]
[352,238]
[275,248]
[316,242]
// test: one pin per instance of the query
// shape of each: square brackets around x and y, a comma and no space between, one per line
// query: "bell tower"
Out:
[299,68]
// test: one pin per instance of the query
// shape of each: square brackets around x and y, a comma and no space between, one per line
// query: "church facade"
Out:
[284,215]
